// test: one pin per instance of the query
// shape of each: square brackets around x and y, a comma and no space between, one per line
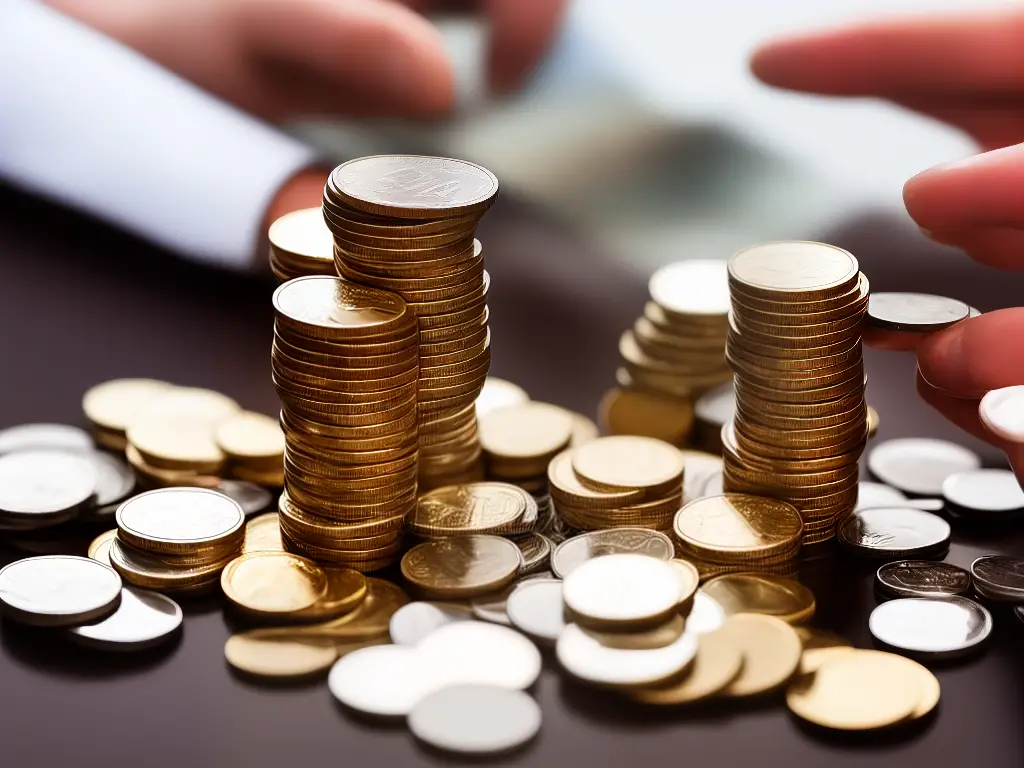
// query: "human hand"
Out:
[283,59]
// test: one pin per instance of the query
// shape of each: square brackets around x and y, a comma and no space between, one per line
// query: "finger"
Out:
[998,248]
[521,33]
[970,53]
[994,123]
[976,355]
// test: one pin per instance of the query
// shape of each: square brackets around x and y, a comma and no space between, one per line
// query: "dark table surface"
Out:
[80,304]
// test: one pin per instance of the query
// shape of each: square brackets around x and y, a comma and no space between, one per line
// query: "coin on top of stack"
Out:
[736,533]
[795,346]
[406,223]
[502,509]
[112,405]
[345,367]
[254,446]
[301,244]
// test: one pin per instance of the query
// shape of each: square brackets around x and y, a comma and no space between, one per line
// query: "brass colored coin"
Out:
[632,412]
[586,657]
[623,592]
[718,663]
[279,658]
[148,572]
[303,238]
[873,421]
[820,645]
[498,393]
[536,551]
[263,534]
[462,567]
[736,524]
[113,405]
[472,508]
[180,520]
[752,593]
[658,636]
[860,691]
[771,653]
[99,549]
[526,430]
[689,580]
[346,590]
[324,307]
[176,443]
[794,271]
[273,583]
[628,462]
[692,287]
[572,552]
[250,436]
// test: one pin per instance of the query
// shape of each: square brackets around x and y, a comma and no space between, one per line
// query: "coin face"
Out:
[622,591]
[278,658]
[999,577]
[26,437]
[462,567]
[931,628]
[99,549]
[536,608]
[114,478]
[871,494]
[895,532]
[635,412]
[585,657]
[476,652]
[248,435]
[414,621]
[915,312]
[788,267]
[623,462]
[738,523]
[40,487]
[526,430]
[303,233]
[384,680]
[115,404]
[707,614]
[984,492]
[920,465]
[1001,411]
[922,578]
[717,664]
[336,304]
[269,583]
[470,508]
[642,541]
[536,551]
[176,519]
[498,393]
[504,719]
[58,590]
[692,287]
[755,593]
[142,619]
[414,186]
[771,653]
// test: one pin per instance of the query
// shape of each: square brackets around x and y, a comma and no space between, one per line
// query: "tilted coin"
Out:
[502,719]
[273,583]
[895,533]
[27,437]
[99,549]
[248,436]
[525,430]
[463,566]
[914,312]
[149,571]
[142,620]
[414,621]
[536,551]
[498,393]
[263,533]
[755,593]
[1001,411]
[622,591]
[999,577]
[537,609]
[572,552]
[250,497]
[58,590]
[635,412]
[718,662]
[477,652]
[984,492]
[585,657]
[922,578]
[113,405]
[692,287]
[771,653]
[934,628]
[487,507]
[623,462]
[43,487]
[871,494]
[279,658]
[179,519]
[738,523]
[920,465]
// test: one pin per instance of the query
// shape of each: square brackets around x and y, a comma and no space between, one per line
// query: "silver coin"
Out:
[642,541]
[926,505]
[115,480]
[536,609]
[28,437]
[984,492]
[382,680]
[142,620]
[716,407]
[706,615]
[584,656]
[480,653]
[999,577]
[871,494]
[475,719]
[170,517]
[895,533]
[44,487]
[919,465]
[58,590]
[1002,412]
[714,485]
[915,312]
[934,628]
[922,578]
[492,607]
[414,621]
[250,497]
[536,549]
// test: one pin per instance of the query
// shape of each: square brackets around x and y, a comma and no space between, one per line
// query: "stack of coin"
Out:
[794,344]
[176,539]
[112,405]
[301,244]
[345,367]
[673,353]
[254,446]
[738,533]
[406,223]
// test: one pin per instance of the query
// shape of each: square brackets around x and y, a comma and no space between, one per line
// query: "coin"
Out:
[984,493]
[706,615]
[27,437]
[58,590]
[175,520]
[692,287]
[623,591]
[414,621]
[503,719]
[999,577]
[536,551]
[919,466]
[384,680]
[922,578]
[99,549]
[718,662]
[149,571]
[113,405]
[370,619]
[477,652]
[871,494]
[1001,411]
[820,646]
[857,691]
[771,653]
[526,430]
[895,533]
[735,524]
[248,436]
[142,620]
[914,312]
[273,583]
[628,462]
[573,552]
[42,487]
[536,609]
[278,658]
[716,406]
[935,628]
[753,593]
[472,508]
[795,270]
[301,243]
[499,393]
[462,567]
[585,657]
[263,533]
[633,412]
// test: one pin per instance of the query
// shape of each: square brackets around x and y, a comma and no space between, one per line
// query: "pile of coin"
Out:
[406,223]
[345,366]
[673,353]
[618,481]
[738,533]
[301,244]
[794,344]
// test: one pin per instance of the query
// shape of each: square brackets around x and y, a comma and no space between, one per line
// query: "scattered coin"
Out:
[462,567]
[525,431]
[142,620]
[99,549]
[820,645]
[502,719]
[498,393]
[623,591]
[707,614]
[922,578]
[871,494]
[573,552]
[537,609]
[984,493]
[914,312]
[263,534]
[173,520]
[895,533]
[1001,411]
[273,584]
[585,657]
[414,621]
[771,653]
[738,527]
[40,487]
[755,593]
[536,551]
[58,590]
[250,438]
[29,437]
[477,652]
[113,405]
[999,577]
[935,628]
[718,662]
[278,658]
[250,497]
[492,607]
[920,466]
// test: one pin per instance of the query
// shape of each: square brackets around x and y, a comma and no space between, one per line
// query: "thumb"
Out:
[976,355]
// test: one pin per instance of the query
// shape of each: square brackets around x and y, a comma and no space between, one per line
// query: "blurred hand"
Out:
[282,59]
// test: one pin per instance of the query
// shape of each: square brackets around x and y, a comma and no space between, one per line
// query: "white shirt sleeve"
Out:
[92,124]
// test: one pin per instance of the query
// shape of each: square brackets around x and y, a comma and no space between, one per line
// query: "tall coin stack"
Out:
[345,364]
[406,223]
[794,344]
[673,353]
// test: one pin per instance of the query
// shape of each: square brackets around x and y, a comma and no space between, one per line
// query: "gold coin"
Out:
[774,596]
[873,420]
[693,287]
[472,508]
[771,653]
[304,237]
[462,567]
[628,462]
[271,479]
[176,442]
[737,523]
[99,549]
[279,658]
[263,534]
[574,551]
[858,691]
[718,662]
[689,580]
[273,583]
[583,430]
[323,307]
[566,484]
[526,430]
[250,436]
[659,636]
[632,412]
[346,590]
[797,271]
[113,405]
[499,393]
[144,570]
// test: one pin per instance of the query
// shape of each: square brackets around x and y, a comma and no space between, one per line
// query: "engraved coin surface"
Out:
[920,465]
[931,628]
[738,522]
[414,621]
[462,567]
[788,267]
[622,590]
[999,577]
[585,657]
[915,312]
[692,287]
[142,620]
[483,507]
[58,590]
[175,519]
[895,533]
[642,541]
[922,578]
[475,719]
[756,593]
